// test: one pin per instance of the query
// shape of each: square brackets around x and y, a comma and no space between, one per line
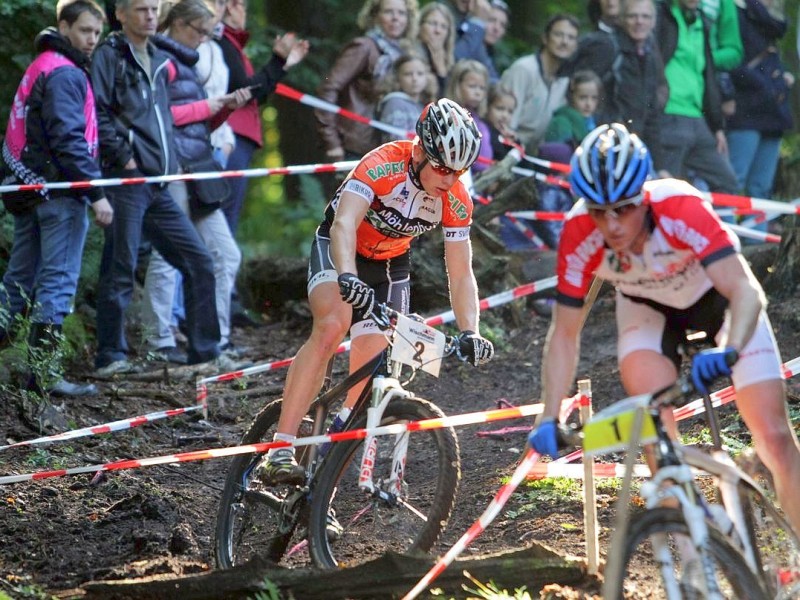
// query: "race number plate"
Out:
[611,429]
[418,345]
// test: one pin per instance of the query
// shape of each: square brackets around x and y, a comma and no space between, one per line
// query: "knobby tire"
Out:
[735,578]
[251,519]
[370,527]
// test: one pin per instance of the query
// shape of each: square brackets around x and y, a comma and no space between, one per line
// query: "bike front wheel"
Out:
[654,567]
[254,519]
[402,514]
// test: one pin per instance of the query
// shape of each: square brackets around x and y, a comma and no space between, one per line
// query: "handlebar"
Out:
[677,395]
[385,317]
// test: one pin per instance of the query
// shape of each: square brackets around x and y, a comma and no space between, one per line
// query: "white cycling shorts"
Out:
[642,327]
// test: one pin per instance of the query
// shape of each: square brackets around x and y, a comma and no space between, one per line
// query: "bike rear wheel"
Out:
[643,576]
[370,525]
[254,519]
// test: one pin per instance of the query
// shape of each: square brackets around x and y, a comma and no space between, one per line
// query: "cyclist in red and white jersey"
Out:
[675,267]
[360,256]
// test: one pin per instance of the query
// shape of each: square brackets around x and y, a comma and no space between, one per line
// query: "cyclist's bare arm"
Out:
[560,357]
[350,213]
[736,282]
[462,284]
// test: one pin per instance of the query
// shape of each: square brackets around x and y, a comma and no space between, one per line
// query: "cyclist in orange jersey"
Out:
[360,256]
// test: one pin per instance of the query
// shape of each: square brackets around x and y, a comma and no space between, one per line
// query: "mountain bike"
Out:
[735,545]
[362,497]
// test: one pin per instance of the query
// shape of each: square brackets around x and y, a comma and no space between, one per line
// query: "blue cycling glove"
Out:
[544,438]
[709,365]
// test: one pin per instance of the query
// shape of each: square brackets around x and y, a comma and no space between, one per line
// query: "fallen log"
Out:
[389,576]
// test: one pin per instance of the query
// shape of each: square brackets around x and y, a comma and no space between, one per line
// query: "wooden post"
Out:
[589,497]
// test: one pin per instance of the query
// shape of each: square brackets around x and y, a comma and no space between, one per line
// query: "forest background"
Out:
[281,212]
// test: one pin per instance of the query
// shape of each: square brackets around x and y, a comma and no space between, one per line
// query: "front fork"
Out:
[384,390]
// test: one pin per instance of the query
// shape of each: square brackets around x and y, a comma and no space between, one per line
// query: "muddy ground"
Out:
[61,532]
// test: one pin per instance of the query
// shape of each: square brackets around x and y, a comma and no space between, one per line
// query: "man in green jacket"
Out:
[693,139]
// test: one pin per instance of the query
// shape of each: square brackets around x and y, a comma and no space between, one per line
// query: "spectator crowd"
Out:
[171,89]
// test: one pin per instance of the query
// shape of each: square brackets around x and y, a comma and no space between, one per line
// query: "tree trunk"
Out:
[784,276]
[390,576]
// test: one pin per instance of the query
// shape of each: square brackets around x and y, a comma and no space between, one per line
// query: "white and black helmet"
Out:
[448,135]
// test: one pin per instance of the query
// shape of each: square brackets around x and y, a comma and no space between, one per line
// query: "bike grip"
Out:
[568,436]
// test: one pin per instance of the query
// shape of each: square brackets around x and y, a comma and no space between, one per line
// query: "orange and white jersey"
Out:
[399,210]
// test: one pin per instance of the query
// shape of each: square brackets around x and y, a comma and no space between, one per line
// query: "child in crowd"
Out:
[501,106]
[409,88]
[469,85]
[567,128]
[572,122]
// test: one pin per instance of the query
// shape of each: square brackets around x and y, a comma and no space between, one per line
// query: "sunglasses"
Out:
[617,210]
[445,171]
[201,32]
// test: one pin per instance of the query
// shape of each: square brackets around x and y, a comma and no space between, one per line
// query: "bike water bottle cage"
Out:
[610,167]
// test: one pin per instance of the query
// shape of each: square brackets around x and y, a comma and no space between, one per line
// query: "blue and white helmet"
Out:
[610,165]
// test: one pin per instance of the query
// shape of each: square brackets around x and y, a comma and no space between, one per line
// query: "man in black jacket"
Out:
[629,64]
[52,136]
[129,75]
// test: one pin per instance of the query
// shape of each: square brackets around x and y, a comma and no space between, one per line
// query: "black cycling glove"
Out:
[356,292]
[474,348]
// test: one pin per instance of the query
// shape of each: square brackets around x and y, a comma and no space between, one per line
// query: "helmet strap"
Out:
[414,172]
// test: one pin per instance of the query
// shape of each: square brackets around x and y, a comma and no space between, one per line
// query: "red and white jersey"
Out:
[685,236]
[399,210]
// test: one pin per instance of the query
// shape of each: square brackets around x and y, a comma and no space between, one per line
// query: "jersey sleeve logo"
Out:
[388,168]
[679,229]
[359,188]
[457,206]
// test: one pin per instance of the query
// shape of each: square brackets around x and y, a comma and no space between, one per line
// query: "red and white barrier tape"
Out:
[548,164]
[746,202]
[537,215]
[440,319]
[551,179]
[726,395]
[319,103]
[499,299]
[479,526]
[355,434]
[527,232]
[117,181]
[576,471]
[107,427]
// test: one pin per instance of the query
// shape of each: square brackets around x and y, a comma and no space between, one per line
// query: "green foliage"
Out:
[20,589]
[491,592]
[270,591]
[20,21]
[546,492]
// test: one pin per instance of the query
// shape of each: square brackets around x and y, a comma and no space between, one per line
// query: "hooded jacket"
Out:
[52,128]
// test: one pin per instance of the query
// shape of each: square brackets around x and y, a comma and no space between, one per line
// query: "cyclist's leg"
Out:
[642,334]
[646,353]
[331,320]
[392,284]
[761,400]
